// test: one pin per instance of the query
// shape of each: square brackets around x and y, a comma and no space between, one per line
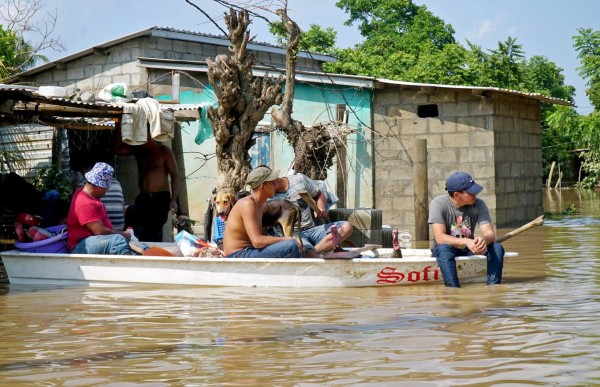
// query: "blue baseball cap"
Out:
[462,181]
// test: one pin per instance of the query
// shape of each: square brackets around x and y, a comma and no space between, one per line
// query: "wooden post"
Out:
[549,181]
[420,182]
[341,165]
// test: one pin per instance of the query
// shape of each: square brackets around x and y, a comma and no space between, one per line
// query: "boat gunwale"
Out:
[141,258]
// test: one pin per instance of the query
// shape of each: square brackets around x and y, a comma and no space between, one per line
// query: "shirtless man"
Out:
[156,164]
[243,237]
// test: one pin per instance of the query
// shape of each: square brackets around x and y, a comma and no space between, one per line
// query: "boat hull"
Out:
[416,268]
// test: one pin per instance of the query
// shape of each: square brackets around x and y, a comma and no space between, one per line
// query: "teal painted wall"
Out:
[313,104]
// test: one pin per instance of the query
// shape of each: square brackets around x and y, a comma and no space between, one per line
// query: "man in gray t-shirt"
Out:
[453,218]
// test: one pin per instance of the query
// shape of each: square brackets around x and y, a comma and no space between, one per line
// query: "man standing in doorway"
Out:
[453,218]
[158,181]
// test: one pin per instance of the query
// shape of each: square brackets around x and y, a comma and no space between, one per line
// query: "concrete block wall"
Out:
[119,63]
[494,138]
[518,159]
[93,72]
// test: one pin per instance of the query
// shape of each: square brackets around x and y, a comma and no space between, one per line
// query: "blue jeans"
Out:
[283,249]
[113,244]
[445,256]
[315,234]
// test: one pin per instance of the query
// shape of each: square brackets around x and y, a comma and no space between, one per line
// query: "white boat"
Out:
[375,268]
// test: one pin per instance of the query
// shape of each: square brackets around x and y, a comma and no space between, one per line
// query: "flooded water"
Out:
[540,327]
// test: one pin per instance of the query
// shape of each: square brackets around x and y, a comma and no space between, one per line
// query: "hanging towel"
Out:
[167,126]
[133,125]
[146,111]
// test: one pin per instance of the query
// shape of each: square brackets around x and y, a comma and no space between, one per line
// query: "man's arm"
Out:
[98,228]
[477,245]
[252,219]
[322,204]
[171,165]
[489,235]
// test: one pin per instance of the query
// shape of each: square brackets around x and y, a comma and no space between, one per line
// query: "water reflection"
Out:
[538,328]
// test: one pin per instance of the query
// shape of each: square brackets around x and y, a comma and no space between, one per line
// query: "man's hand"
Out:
[321,214]
[173,206]
[477,246]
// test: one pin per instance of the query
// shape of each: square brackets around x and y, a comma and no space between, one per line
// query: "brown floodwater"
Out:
[540,327]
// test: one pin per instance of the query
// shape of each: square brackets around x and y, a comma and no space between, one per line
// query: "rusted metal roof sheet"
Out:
[25,104]
[477,89]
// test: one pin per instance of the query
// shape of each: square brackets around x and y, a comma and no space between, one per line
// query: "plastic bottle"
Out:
[404,239]
[133,237]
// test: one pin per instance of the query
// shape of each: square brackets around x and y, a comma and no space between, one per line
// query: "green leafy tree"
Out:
[315,39]
[587,45]
[24,35]
[16,55]
[540,75]
[399,36]
[505,63]
[587,131]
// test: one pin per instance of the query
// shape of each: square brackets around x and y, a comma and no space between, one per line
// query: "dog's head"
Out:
[183,222]
[223,202]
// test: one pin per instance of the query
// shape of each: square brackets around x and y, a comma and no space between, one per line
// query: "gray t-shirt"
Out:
[300,183]
[459,222]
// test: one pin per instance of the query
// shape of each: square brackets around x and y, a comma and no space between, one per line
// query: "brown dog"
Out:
[223,202]
[279,212]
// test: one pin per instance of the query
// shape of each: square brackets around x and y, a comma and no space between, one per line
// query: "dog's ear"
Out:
[231,198]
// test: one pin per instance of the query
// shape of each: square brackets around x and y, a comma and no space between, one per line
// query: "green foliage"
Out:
[316,39]
[559,124]
[568,211]
[403,41]
[16,54]
[52,178]
[587,45]
[540,75]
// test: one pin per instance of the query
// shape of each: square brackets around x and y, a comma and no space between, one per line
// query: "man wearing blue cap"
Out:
[453,218]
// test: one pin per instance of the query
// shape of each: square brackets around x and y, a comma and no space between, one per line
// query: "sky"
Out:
[542,27]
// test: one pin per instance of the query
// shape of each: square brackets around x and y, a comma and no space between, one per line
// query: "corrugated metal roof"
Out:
[537,96]
[29,93]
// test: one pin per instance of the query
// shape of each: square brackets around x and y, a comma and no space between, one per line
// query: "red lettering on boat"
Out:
[414,276]
[389,275]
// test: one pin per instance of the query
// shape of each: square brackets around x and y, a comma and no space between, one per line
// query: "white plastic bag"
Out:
[114,92]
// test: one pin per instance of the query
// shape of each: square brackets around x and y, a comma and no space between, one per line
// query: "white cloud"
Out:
[485,27]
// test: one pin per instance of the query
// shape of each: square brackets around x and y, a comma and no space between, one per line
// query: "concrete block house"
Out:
[491,133]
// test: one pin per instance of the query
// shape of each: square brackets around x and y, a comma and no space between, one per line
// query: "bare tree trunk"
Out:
[243,101]
[314,148]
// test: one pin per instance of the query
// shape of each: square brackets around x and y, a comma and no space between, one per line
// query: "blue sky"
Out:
[542,27]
